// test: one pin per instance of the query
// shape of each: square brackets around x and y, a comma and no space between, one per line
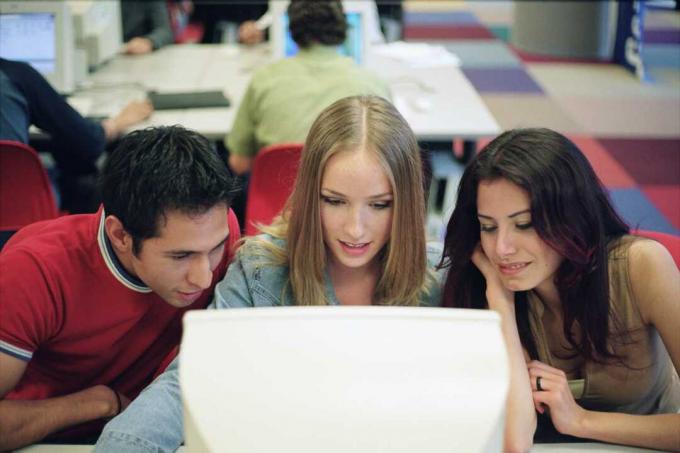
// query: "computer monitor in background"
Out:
[352,47]
[98,29]
[357,13]
[339,379]
[40,33]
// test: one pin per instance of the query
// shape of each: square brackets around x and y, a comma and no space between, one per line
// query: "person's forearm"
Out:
[131,114]
[83,138]
[659,431]
[26,422]
[520,416]
[161,30]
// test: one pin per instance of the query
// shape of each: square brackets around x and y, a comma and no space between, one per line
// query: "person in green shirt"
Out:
[284,98]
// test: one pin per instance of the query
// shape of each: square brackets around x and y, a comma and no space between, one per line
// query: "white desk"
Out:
[172,69]
[439,103]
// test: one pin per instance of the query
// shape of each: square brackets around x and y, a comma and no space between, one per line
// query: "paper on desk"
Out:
[417,54]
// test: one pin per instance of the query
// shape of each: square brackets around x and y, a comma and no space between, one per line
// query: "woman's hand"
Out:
[499,297]
[520,423]
[554,394]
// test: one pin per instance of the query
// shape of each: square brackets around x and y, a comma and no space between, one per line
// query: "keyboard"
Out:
[187,100]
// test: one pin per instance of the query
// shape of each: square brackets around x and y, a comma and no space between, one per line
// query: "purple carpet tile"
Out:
[502,80]
[661,36]
[440,18]
[447,32]
[647,160]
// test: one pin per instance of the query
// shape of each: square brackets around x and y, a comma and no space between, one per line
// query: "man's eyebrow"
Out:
[183,252]
[340,194]
[514,214]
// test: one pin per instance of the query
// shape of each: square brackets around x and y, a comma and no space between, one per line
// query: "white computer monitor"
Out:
[361,20]
[339,379]
[40,33]
[98,29]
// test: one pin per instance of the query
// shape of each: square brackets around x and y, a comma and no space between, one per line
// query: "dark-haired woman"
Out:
[593,310]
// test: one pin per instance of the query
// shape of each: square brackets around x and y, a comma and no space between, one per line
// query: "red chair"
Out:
[671,242]
[183,31]
[271,182]
[25,192]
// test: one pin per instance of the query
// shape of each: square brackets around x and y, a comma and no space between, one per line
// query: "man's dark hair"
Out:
[317,21]
[161,169]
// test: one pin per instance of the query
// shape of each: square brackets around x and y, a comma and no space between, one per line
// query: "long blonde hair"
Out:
[372,124]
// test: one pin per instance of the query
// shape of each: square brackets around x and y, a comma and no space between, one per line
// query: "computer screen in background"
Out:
[362,31]
[40,34]
[341,379]
[353,46]
[29,37]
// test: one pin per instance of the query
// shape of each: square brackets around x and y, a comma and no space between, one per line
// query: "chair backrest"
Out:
[25,192]
[271,182]
[671,242]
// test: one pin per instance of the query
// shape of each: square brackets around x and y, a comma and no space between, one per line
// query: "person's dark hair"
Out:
[570,211]
[317,21]
[161,169]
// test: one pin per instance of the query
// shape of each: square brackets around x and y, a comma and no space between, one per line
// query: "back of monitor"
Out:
[338,379]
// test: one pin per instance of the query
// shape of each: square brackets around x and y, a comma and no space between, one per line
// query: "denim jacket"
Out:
[154,420]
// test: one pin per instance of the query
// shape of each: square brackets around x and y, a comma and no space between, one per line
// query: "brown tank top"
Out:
[649,383]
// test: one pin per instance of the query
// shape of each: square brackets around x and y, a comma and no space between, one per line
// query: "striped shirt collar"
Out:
[114,264]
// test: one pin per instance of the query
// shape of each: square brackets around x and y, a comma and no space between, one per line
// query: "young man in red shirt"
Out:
[91,305]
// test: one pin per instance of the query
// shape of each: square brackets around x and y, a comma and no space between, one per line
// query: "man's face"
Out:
[178,263]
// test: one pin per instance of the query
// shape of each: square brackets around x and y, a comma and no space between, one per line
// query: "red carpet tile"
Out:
[648,161]
[610,172]
[666,199]
[447,32]
[535,58]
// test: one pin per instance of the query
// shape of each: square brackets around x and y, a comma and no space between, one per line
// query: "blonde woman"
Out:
[352,233]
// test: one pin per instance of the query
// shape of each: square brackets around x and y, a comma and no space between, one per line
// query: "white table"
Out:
[439,103]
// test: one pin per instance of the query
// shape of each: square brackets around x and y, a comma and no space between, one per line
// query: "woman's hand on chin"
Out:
[500,298]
